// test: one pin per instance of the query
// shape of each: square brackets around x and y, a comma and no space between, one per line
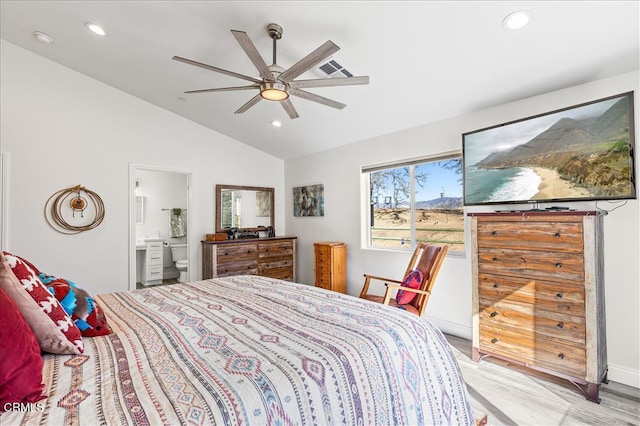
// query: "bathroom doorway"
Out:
[160,226]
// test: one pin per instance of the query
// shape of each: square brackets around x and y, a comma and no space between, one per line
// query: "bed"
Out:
[251,350]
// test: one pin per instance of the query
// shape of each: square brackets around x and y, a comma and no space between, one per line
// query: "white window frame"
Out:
[365,185]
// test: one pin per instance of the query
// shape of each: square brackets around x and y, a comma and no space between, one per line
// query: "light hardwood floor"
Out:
[513,395]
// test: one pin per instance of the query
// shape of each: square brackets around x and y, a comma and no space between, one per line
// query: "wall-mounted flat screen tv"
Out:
[580,153]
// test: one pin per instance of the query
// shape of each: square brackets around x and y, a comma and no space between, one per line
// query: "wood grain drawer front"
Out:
[555,236]
[534,319]
[565,298]
[323,254]
[552,266]
[276,249]
[323,268]
[249,267]
[535,350]
[282,273]
[275,259]
[282,269]
[233,253]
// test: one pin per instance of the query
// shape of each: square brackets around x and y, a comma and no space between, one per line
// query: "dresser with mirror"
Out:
[245,240]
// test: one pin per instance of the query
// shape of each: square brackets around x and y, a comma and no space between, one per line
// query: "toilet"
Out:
[179,257]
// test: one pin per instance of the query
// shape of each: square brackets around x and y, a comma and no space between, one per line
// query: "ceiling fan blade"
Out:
[249,104]
[331,81]
[316,98]
[225,89]
[253,54]
[216,69]
[288,107]
[306,63]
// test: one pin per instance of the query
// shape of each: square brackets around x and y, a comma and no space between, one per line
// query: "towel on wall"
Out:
[177,225]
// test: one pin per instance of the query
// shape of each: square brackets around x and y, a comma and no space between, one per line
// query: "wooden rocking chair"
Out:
[426,259]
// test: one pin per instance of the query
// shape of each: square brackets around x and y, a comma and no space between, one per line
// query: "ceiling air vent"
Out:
[334,69]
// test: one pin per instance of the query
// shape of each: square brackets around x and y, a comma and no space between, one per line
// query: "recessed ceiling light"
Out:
[517,20]
[276,123]
[95,28]
[44,38]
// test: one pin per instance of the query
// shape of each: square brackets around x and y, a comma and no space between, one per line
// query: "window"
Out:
[416,201]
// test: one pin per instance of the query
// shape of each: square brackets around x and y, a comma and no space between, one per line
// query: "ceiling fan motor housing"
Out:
[275,31]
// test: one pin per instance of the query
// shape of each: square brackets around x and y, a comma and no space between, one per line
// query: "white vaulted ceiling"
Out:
[426,60]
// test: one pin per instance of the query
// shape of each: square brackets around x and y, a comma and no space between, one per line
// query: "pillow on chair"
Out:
[412,280]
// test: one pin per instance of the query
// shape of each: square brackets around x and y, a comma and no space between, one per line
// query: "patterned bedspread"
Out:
[251,350]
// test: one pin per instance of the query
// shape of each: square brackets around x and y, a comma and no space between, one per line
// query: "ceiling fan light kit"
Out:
[276,83]
[274,91]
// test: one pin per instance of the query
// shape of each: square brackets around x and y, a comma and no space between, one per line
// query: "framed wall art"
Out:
[308,200]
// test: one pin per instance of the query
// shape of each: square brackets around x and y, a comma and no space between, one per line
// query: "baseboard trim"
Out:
[452,328]
[624,375]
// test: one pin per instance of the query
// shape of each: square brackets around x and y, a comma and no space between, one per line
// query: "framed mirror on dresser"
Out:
[246,208]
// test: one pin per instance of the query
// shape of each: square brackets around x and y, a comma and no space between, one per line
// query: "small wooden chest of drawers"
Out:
[269,257]
[538,293]
[331,265]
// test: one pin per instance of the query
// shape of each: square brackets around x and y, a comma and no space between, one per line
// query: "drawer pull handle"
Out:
[559,295]
[495,340]
[494,232]
[494,314]
[559,265]
[495,286]
[495,259]
[560,326]
[557,234]
[561,356]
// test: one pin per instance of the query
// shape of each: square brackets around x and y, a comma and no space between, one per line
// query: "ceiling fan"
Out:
[276,83]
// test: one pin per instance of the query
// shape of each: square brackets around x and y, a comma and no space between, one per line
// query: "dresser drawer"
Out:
[552,266]
[561,297]
[324,278]
[282,270]
[531,235]
[235,253]
[275,249]
[154,258]
[532,318]
[154,272]
[323,268]
[533,349]
[323,253]
[154,245]
[247,267]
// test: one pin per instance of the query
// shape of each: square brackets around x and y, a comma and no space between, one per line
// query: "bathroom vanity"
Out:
[152,269]
[273,257]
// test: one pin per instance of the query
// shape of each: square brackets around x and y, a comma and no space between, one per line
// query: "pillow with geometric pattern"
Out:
[69,339]
[85,312]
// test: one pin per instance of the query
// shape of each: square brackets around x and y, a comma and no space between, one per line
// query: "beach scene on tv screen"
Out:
[578,153]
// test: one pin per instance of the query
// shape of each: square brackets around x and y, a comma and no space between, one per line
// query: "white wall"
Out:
[61,128]
[450,305]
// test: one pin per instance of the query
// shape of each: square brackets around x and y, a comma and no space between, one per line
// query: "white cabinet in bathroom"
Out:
[153,263]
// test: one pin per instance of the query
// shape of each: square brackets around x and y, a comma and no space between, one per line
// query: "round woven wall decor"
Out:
[73,210]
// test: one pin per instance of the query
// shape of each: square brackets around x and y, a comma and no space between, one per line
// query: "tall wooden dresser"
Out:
[273,257]
[538,293]
[331,265]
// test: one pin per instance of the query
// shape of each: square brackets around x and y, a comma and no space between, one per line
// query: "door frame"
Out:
[191,247]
